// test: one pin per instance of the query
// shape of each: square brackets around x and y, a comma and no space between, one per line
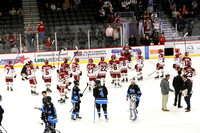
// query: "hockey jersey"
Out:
[100,93]
[9,71]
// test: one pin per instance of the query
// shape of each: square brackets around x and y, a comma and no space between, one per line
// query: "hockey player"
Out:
[67,70]
[1,116]
[50,115]
[133,92]
[116,71]
[161,63]
[139,65]
[110,65]
[91,69]
[10,73]
[76,69]
[177,60]
[102,70]
[31,76]
[62,79]
[24,73]
[189,71]
[128,54]
[46,74]
[100,94]
[186,59]
[124,67]
[75,100]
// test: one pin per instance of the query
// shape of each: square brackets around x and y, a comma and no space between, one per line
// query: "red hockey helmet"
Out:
[46,61]
[189,64]
[65,60]
[102,58]
[30,62]
[160,51]
[9,62]
[122,53]
[76,59]
[186,53]
[113,57]
[177,50]
[90,60]
[139,52]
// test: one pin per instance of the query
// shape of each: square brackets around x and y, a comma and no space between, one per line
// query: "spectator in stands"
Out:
[143,39]
[77,3]
[132,41]
[109,33]
[162,39]
[154,15]
[64,6]
[28,27]
[15,49]
[147,27]
[155,2]
[150,9]
[147,41]
[48,44]
[30,38]
[156,25]
[7,39]
[117,20]
[24,49]
[116,37]
[194,4]
[146,15]
[2,18]
[1,40]
[15,39]
[41,30]
[155,37]
[172,5]
[140,25]
[13,11]
[123,5]
[20,12]
[112,19]
[53,7]
[184,10]
[174,13]
[72,3]
[101,16]
[140,5]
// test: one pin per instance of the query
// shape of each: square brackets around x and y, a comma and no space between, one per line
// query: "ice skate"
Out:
[73,118]
[11,88]
[119,85]
[157,77]
[123,80]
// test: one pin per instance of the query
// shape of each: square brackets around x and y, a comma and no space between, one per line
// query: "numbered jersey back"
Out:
[91,69]
[9,70]
[31,71]
[46,69]
[189,71]
[124,63]
[178,58]
[185,60]
[75,68]
[102,67]
[116,67]
[65,66]
[61,78]
[140,60]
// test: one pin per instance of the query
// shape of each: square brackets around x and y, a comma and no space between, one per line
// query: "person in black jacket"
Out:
[1,113]
[24,73]
[132,41]
[187,91]
[178,84]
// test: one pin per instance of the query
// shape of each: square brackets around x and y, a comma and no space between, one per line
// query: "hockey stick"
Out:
[74,54]
[185,40]
[3,128]
[59,56]
[152,73]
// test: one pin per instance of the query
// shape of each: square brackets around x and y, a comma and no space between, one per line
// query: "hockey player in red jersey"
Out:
[124,67]
[139,65]
[67,69]
[91,73]
[161,63]
[186,59]
[31,76]
[189,71]
[62,80]
[76,72]
[116,71]
[128,54]
[177,60]
[102,70]
[46,74]
[110,65]
[10,73]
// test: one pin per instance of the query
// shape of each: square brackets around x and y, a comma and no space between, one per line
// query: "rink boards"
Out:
[148,52]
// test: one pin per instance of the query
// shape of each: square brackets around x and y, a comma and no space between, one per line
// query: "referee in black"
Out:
[187,91]
[178,84]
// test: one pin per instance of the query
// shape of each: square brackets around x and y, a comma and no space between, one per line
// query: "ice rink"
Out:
[21,117]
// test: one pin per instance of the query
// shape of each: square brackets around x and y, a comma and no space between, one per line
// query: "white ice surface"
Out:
[21,117]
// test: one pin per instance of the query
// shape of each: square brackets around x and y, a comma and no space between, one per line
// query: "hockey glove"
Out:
[80,73]
[79,101]
[70,75]
[37,67]
[81,94]
[58,88]
[54,67]
[15,76]
[57,71]
[43,77]
[69,83]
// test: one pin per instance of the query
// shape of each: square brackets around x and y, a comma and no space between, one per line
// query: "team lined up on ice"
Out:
[118,69]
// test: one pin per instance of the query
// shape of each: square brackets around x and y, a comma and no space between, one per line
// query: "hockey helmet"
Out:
[46,61]
[139,52]
[97,82]
[122,53]
[30,62]
[186,53]
[76,82]
[65,60]
[177,50]
[9,62]
[48,99]
[189,64]
[90,60]
[160,51]
[113,57]
[76,59]
[102,58]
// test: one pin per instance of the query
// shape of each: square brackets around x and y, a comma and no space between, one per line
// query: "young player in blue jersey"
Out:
[100,93]
[75,100]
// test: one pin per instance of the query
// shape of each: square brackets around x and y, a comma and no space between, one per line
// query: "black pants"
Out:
[76,108]
[104,106]
[137,103]
[187,100]
[177,96]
